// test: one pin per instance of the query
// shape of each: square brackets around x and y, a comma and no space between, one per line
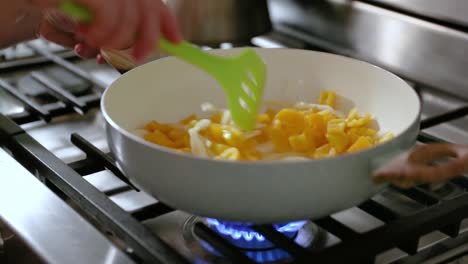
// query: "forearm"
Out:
[20,21]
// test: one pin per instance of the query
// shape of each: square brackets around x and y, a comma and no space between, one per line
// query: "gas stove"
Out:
[64,200]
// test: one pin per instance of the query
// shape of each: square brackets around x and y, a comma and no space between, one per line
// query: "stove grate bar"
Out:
[426,138]
[280,240]
[451,230]
[86,166]
[95,153]
[64,63]
[461,181]
[378,210]
[152,211]
[15,64]
[142,241]
[96,161]
[336,228]
[408,227]
[419,195]
[31,105]
[410,246]
[63,95]
[437,252]
[55,109]
[91,100]
[8,128]
[445,117]
[220,245]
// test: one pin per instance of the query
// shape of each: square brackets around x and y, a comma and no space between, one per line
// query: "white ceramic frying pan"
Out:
[266,192]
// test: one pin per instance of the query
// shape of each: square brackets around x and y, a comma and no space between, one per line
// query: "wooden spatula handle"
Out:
[121,60]
[417,165]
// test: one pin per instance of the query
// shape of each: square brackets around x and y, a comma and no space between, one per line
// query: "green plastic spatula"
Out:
[242,77]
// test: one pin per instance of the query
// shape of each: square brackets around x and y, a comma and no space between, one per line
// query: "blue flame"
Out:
[254,245]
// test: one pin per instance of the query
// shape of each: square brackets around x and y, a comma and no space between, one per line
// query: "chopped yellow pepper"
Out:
[314,132]
[361,143]
[385,138]
[328,98]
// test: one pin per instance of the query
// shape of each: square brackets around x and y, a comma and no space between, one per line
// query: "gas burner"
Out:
[177,229]
[255,245]
[242,236]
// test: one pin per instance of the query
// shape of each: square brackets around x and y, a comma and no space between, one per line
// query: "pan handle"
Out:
[416,166]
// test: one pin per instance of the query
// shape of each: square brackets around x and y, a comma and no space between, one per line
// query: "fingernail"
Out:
[100,59]
[79,49]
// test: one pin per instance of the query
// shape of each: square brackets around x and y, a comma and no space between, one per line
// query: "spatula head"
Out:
[243,80]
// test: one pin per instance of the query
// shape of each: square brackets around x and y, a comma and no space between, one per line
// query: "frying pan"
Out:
[269,191]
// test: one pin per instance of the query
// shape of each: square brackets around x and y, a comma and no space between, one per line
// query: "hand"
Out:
[60,29]
[417,166]
[117,24]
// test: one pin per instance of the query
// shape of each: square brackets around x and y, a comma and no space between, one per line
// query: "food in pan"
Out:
[283,131]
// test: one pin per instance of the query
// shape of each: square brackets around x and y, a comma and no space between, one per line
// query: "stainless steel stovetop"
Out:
[94,243]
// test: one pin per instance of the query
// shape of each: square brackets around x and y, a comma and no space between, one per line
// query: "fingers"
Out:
[100,59]
[85,51]
[124,36]
[119,24]
[68,40]
[105,24]
[169,27]
[417,166]
[60,29]
[148,32]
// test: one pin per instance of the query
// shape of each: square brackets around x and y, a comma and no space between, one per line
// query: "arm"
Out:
[20,22]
